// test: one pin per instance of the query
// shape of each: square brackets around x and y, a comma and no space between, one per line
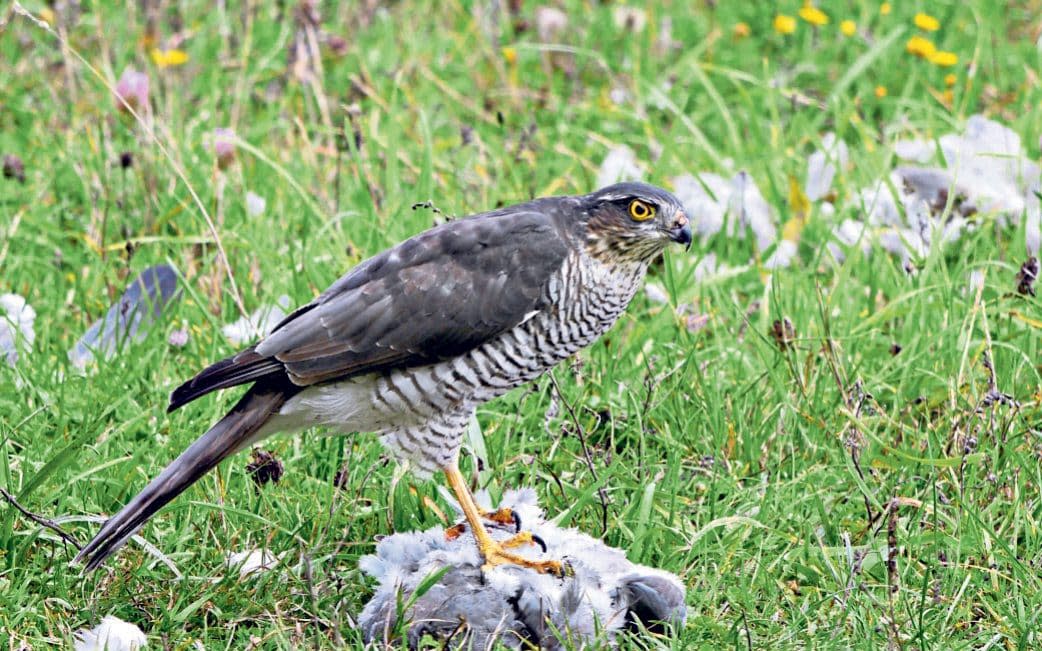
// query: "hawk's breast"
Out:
[417,408]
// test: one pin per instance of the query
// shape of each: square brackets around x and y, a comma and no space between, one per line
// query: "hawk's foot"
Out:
[496,553]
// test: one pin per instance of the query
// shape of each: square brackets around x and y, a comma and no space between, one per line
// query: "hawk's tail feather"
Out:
[244,367]
[238,429]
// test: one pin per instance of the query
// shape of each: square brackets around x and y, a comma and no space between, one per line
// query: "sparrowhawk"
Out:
[410,342]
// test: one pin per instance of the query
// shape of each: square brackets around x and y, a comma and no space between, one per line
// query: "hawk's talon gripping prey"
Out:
[493,552]
[412,341]
[496,555]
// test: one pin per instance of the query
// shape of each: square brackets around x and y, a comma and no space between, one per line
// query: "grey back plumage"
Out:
[434,296]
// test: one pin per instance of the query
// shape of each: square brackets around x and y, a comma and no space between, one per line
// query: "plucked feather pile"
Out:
[519,608]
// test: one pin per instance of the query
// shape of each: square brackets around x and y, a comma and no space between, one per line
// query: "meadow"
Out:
[839,451]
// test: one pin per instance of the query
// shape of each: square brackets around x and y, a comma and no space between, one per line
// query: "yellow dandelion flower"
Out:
[880,91]
[926,22]
[884,9]
[510,55]
[848,27]
[784,24]
[943,59]
[921,47]
[813,15]
[166,58]
[741,30]
[950,79]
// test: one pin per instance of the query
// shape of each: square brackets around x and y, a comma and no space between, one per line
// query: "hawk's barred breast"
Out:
[422,411]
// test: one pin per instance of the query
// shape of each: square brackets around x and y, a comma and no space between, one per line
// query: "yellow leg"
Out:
[493,552]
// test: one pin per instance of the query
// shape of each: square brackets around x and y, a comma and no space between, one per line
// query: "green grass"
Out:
[737,445]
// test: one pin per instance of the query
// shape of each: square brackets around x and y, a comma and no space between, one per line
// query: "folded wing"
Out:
[430,298]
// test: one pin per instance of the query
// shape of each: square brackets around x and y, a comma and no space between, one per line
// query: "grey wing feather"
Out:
[432,297]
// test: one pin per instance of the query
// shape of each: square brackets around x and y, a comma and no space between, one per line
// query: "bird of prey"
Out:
[410,342]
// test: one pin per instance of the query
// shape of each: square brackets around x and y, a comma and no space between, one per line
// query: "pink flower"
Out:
[178,338]
[132,89]
[224,146]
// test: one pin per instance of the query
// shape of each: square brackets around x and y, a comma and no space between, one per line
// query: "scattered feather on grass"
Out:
[255,204]
[655,293]
[619,165]
[130,318]
[16,327]
[112,634]
[712,202]
[823,165]
[260,323]
[251,562]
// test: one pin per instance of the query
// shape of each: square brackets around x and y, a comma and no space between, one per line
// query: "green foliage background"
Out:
[768,477]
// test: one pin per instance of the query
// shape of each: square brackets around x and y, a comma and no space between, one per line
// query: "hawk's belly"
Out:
[421,412]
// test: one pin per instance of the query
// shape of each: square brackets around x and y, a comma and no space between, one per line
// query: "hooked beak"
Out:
[680,232]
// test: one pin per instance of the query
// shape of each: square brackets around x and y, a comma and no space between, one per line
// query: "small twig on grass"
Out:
[891,570]
[40,520]
[581,433]
[650,384]
[748,634]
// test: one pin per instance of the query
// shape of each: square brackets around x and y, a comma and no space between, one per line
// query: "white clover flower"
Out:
[255,204]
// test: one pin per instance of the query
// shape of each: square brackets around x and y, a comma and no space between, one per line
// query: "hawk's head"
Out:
[634,222]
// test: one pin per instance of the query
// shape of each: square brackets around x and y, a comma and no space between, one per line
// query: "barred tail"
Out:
[238,429]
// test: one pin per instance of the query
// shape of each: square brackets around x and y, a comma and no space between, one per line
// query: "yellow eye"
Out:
[641,211]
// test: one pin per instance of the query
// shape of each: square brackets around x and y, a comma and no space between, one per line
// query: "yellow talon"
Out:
[523,538]
[495,554]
